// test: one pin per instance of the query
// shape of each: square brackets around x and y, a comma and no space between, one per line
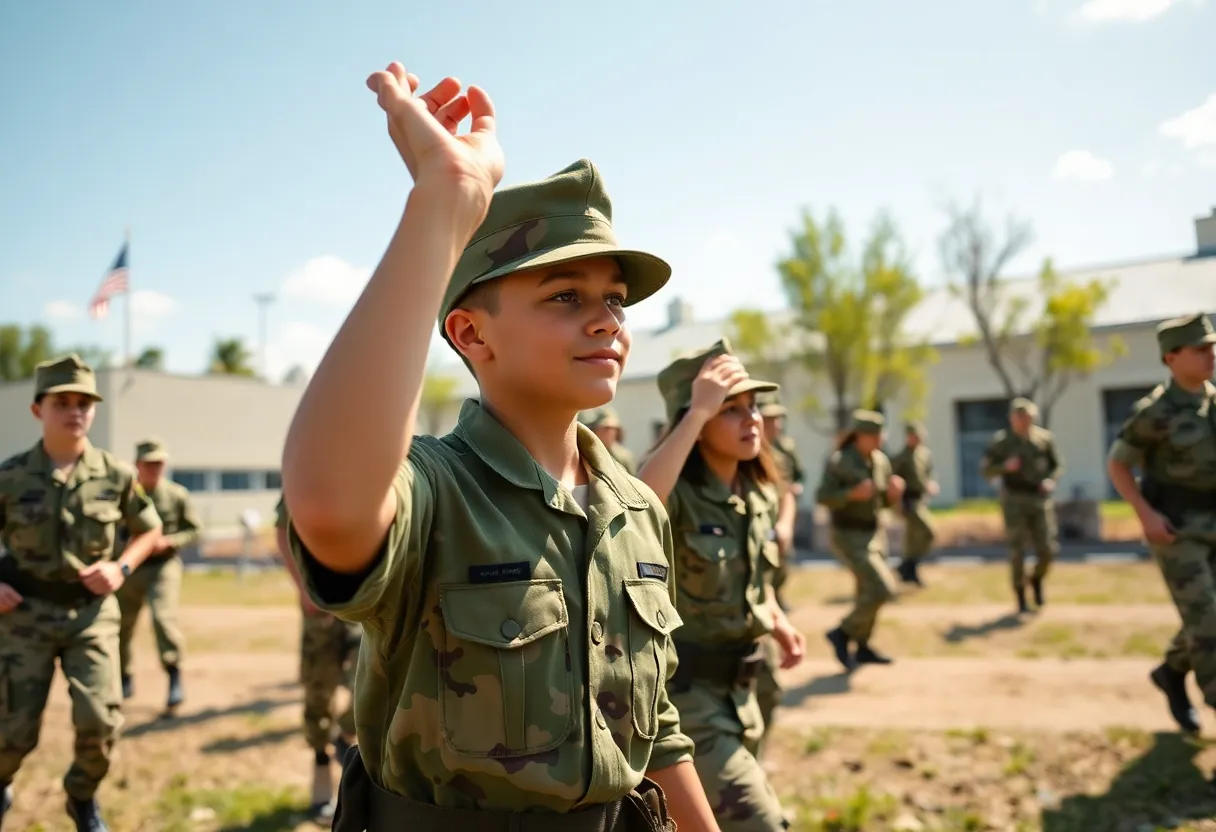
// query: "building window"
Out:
[236,481]
[1117,405]
[274,481]
[977,421]
[191,480]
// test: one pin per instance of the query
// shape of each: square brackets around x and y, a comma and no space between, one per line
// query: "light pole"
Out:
[263,301]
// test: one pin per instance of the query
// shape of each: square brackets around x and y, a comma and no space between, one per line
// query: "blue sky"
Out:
[238,142]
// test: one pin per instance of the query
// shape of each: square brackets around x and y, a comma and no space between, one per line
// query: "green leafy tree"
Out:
[152,358]
[846,321]
[21,350]
[229,356]
[438,394]
[1036,349]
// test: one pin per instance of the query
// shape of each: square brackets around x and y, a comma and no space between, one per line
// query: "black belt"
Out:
[364,806]
[913,496]
[1174,501]
[855,524]
[1018,487]
[730,666]
[65,593]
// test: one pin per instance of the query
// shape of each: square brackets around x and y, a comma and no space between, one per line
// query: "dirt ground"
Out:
[985,722]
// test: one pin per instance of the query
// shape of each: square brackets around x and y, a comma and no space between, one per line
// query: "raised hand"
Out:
[423,128]
[718,375]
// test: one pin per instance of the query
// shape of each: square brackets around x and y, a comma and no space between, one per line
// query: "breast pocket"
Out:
[31,526]
[651,622]
[704,572]
[505,678]
[99,520]
[1189,453]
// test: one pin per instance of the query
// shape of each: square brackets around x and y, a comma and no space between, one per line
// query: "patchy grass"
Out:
[1068,583]
[1121,780]
[223,588]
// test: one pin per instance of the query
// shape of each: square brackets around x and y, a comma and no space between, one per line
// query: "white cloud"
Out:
[327,280]
[1194,128]
[1082,166]
[1207,160]
[1126,11]
[62,310]
[147,304]
[296,343]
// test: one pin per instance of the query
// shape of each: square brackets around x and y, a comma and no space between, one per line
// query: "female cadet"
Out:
[721,492]
[857,483]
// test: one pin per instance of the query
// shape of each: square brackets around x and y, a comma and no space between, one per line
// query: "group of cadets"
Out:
[533,636]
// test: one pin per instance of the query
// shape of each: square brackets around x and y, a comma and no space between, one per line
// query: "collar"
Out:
[1183,396]
[506,456]
[91,463]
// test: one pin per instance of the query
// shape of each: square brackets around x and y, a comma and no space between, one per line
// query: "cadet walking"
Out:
[61,503]
[1171,437]
[512,581]
[158,580]
[329,653]
[914,464]
[1028,464]
[722,492]
[605,424]
[857,484]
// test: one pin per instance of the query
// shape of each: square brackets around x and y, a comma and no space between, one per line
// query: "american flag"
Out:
[114,283]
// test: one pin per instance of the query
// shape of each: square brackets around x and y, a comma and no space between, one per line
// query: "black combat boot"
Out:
[321,804]
[868,655]
[914,573]
[87,815]
[904,570]
[1173,685]
[840,646]
[1020,592]
[176,694]
[6,800]
[128,686]
[1036,584]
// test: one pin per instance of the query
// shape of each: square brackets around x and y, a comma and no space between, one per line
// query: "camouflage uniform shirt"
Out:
[1037,450]
[785,454]
[915,465]
[516,649]
[845,469]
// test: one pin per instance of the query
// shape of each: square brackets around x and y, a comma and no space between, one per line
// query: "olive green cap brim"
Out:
[772,411]
[72,388]
[153,456]
[752,385]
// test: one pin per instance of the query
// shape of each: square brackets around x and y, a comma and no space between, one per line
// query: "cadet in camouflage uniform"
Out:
[605,424]
[1028,464]
[857,484]
[61,503]
[721,489]
[159,579]
[914,464]
[329,652]
[785,455]
[1171,437]
[512,581]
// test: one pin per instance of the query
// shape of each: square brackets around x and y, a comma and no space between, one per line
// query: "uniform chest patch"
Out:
[658,571]
[710,528]
[29,498]
[497,573]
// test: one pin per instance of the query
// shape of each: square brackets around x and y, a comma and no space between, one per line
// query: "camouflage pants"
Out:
[726,727]
[918,532]
[1030,520]
[158,581]
[329,650]
[864,553]
[85,641]
[1188,565]
[768,687]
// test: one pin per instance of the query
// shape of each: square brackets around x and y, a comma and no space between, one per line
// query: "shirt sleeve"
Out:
[138,509]
[1139,435]
[381,593]
[833,491]
[671,745]
[991,466]
[189,526]
[1055,467]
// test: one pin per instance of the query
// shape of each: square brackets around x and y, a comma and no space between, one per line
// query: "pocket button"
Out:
[510,629]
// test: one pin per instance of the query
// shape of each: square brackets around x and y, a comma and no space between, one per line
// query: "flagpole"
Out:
[126,335]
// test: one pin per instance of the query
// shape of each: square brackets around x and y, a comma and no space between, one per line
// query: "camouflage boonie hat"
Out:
[1024,405]
[603,417]
[1188,331]
[65,375]
[770,404]
[566,217]
[152,449]
[675,380]
[867,421]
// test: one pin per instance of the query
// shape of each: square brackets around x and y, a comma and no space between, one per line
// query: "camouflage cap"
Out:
[1024,405]
[65,375]
[152,449]
[601,417]
[675,380]
[916,429]
[1190,331]
[867,421]
[770,404]
[565,217]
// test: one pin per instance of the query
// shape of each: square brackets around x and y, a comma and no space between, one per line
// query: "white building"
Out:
[225,434]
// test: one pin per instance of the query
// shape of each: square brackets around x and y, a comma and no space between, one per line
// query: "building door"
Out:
[977,421]
[1117,404]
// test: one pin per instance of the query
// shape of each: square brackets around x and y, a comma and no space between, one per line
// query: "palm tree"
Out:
[152,358]
[229,357]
